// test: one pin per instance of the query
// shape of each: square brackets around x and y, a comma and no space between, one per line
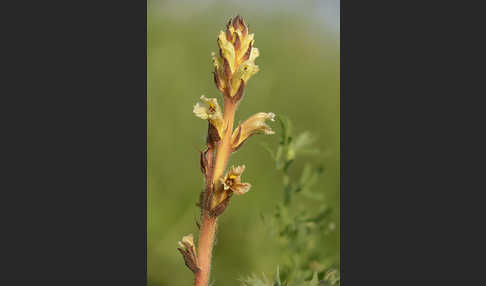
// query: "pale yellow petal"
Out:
[201,111]
[241,188]
[254,54]
[227,50]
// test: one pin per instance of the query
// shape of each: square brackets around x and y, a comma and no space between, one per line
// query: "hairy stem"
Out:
[209,223]
[205,248]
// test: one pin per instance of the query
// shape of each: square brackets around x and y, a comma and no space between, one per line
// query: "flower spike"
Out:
[234,64]
[236,59]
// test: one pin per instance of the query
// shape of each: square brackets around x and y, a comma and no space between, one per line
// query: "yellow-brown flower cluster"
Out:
[234,64]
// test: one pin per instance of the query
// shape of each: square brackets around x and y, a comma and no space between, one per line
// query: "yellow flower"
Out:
[230,184]
[253,125]
[209,110]
[245,71]
[236,59]
[232,181]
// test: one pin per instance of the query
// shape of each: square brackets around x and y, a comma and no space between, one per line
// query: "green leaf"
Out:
[287,194]
[306,174]
[332,277]
[291,153]
[254,281]
[279,163]
[310,178]
[323,213]
[276,281]
[314,281]
[286,129]
[303,140]
[287,165]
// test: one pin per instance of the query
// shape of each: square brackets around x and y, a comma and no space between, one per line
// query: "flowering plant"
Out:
[234,65]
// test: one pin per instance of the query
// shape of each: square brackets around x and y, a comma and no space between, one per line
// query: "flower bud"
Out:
[187,242]
[236,59]
[188,251]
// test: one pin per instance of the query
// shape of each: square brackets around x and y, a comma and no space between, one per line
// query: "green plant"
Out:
[298,225]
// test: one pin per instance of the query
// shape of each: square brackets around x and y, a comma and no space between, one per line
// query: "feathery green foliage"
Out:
[298,227]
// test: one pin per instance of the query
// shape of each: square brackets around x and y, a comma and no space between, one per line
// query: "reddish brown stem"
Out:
[209,223]
[208,177]
[205,249]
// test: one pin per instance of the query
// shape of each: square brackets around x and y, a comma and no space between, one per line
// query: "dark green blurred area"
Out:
[299,78]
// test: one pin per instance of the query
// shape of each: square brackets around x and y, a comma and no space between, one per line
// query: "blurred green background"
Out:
[299,78]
